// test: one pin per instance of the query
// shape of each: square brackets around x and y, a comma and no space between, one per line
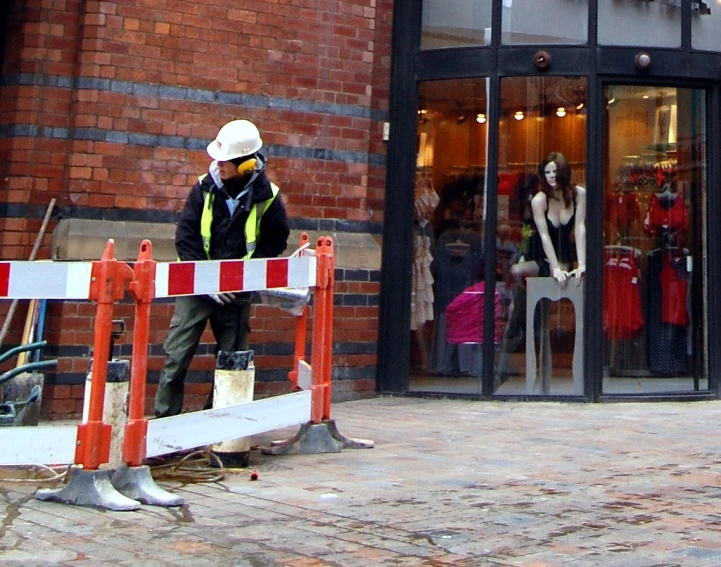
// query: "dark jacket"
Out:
[227,235]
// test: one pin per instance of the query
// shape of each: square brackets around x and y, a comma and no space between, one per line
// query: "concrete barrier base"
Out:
[137,483]
[89,488]
[313,438]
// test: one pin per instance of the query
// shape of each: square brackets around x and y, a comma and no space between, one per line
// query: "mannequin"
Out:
[555,206]
[559,210]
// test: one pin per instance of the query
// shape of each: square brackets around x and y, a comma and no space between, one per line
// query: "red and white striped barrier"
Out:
[223,276]
[71,280]
[106,281]
[76,280]
[45,280]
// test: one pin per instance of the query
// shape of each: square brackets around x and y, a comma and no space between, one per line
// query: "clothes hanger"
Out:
[457,248]
[622,248]
[668,191]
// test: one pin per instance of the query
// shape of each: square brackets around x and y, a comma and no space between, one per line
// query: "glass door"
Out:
[540,240]
[654,276]
[447,300]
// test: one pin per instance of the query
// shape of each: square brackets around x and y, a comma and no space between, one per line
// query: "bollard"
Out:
[234,385]
[114,406]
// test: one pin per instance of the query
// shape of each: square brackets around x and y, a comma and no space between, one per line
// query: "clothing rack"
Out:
[622,249]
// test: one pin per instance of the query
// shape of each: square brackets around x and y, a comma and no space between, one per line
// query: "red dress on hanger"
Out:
[622,316]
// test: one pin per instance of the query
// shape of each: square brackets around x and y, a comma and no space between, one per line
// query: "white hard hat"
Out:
[236,139]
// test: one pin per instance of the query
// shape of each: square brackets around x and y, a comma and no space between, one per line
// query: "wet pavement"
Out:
[448,483]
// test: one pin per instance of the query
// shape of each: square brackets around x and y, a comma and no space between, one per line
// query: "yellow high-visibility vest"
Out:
[252,223]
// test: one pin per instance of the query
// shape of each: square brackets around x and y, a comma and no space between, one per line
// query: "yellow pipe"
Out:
[28,330]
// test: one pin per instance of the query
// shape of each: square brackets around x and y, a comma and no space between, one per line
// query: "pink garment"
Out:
[464,316]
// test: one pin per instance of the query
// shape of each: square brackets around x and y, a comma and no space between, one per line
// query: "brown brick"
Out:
[335,61]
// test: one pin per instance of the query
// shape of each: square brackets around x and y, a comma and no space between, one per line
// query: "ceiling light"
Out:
[519,115]
[580,105]
[480,118]
[611,98]
[560,112]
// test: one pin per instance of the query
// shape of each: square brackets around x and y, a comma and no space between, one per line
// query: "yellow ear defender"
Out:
[247,166]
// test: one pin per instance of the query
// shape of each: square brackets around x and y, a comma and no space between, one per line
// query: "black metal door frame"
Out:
[600,65]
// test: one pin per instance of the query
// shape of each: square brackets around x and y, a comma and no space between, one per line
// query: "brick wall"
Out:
[108,106]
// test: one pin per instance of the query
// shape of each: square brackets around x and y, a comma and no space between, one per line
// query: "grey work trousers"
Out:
[230,326]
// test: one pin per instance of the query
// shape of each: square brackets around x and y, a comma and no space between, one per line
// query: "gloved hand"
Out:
[222,298]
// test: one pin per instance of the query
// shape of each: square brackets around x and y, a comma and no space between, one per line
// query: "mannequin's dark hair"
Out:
[563,177]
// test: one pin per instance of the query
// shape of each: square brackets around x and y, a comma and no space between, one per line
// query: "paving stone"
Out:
[449,482]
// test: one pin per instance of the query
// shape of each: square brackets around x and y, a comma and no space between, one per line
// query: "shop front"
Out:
[550,200]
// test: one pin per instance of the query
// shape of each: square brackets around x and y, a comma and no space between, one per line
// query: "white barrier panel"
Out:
[44,445]
[213,276]
[201,428]
[55,445]
[45,280]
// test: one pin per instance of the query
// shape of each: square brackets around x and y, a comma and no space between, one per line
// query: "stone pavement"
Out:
[448,483]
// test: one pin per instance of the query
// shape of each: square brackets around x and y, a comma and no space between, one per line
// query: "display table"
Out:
[538,376]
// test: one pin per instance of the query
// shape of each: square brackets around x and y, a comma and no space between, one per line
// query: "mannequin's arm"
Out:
[579,231]
[539,204]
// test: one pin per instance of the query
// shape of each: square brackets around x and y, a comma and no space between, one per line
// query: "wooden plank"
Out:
[201,428]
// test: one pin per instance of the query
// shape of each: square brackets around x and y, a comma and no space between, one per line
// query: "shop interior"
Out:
[653,253]
[540,115]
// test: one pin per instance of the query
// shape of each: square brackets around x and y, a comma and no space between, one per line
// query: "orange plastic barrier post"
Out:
[322,350]
[142,290]
[108,280]
[301,322]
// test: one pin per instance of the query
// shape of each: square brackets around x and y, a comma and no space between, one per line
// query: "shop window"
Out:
[640,23]
[706,26]
[654,279]
[549,22]
[448,261]
[455,23]
[541,191]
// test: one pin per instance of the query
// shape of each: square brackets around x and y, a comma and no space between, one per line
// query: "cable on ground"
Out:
[199,466]
[57,474]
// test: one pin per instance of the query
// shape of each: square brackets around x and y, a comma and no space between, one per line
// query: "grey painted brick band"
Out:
[195,95]
[181,142]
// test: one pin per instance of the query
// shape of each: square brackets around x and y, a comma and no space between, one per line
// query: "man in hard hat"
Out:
[232,212]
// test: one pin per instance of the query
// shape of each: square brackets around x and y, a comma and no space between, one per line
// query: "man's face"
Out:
[228,170]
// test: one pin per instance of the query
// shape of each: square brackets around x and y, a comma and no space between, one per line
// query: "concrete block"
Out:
[85,239]
[353,250]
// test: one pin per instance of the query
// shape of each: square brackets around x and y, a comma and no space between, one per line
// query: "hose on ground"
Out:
[199,466]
